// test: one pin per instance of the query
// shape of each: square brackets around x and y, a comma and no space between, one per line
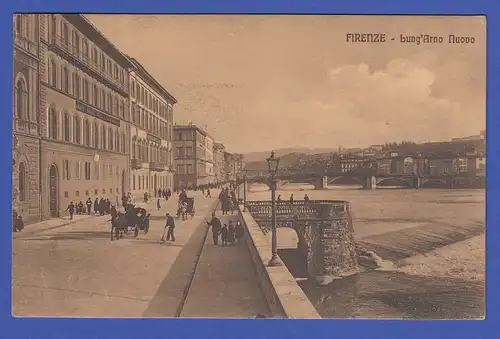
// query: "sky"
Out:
[261,82]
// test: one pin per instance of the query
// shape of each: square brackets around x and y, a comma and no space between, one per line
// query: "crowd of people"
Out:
[101,206]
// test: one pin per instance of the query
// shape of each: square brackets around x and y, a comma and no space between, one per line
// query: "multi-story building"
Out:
[151,130]
[234,165]
[193,157]
[84,96]
[26,118]
[219,162]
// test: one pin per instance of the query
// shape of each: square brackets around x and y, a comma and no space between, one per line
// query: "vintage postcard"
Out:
[249,166]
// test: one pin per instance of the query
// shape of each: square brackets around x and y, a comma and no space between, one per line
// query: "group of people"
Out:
[228,234]
[101,206]
[228,201]
[278,200]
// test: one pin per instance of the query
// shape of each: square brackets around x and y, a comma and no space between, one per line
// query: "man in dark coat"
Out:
[71,210]
[89,205]
[169,229]
[96,205]
[216,228]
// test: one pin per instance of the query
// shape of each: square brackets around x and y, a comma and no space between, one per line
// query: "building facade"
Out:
[219,163]
[84,101]
[151,130]
[26,119]
[193,158]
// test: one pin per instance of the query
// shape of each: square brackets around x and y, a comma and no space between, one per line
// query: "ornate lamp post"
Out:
[273,163]
[244,189]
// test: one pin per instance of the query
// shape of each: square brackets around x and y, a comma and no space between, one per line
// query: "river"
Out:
[398,225]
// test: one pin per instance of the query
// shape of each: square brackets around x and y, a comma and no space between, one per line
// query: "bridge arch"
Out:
[429,183]
[401,180]
[332,181]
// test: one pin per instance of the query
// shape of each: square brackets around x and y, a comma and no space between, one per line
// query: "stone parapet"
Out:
[284,296]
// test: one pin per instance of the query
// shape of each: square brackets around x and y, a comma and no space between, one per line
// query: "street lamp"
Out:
[273,163]
[244,189]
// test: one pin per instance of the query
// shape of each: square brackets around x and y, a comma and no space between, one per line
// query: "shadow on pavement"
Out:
[84,235]
[169,298]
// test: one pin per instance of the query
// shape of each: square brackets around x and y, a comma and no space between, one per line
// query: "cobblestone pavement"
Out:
[76,271]
[225,284]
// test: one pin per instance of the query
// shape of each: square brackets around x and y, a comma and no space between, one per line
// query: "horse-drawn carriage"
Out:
[186,207]
[134,219]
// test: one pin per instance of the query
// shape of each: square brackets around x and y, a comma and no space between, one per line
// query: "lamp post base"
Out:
[275,261]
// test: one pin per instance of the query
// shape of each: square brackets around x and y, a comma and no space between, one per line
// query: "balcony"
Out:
[156,166]
[69,52]
[135,164]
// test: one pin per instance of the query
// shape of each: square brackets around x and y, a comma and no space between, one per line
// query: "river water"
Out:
[396,224]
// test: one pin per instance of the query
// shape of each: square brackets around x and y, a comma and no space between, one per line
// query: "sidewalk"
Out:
[52,224]
[224,284]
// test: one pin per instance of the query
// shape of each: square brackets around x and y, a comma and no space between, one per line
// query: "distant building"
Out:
[234,165]
[151,131]
[193,157]
[219,162]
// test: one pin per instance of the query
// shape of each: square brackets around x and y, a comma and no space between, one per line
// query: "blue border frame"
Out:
[177,328]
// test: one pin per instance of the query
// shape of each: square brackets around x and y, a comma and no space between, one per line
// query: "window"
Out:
[96,171]
[132,89]
[103,62]
[123,142]
[109,103]
[23,191]
[52,73]
[53,123]
[103,138]
[122,110]
[103,99]
[96,135]
[189,169]
[87,170]
[64,33]
[65,79]
[53,27]
[180,169]
[66,130]
[85,48]
[116,72]
[77,130]
[189,151]
[117,141]
[179,136]
[115,106]
[86,133]
[109,68]
[78,170]
[76,85]
[21,100]
[94,55]
[95,95]
[76,42]
[110,140]
[19,23]
[66,171]
[85,90]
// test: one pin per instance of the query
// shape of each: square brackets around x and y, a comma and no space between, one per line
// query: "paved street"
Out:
[75,270]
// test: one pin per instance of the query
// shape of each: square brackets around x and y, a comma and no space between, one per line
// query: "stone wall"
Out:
[284,296]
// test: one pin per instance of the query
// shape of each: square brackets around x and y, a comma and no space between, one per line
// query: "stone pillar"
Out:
[324,182]
[371,182]
[333,251]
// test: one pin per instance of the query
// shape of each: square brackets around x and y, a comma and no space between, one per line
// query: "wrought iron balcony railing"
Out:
[299,209]
[83,61]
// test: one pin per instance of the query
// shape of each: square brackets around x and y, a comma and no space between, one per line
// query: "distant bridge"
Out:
[366,180]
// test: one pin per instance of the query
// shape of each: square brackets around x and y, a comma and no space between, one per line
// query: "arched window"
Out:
[103,99]
[53,123]
[86,133]
[115,106]
[96,135]
[52,73]
[110,140]
[66,129]
[94,55]
[23,189]
[95,95]
[109,103]
[85,90]
[117,141]
[65,79]
[76,42]
[103,138]
[21,100]
[121,111]
[76,85]
[77,130]
[65,33]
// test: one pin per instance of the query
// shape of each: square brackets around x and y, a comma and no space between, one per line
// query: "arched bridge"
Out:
[325,232]
[368,181]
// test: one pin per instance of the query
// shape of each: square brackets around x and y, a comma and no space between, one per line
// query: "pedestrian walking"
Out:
[96,206]
[71,210]
[169,229]
[158,206]
[306,198]
[239,232]
[223,235]
[291,197]
[216,228]
[89,205]
[208,193]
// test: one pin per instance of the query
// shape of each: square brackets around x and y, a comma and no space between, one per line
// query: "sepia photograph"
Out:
[249,166]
